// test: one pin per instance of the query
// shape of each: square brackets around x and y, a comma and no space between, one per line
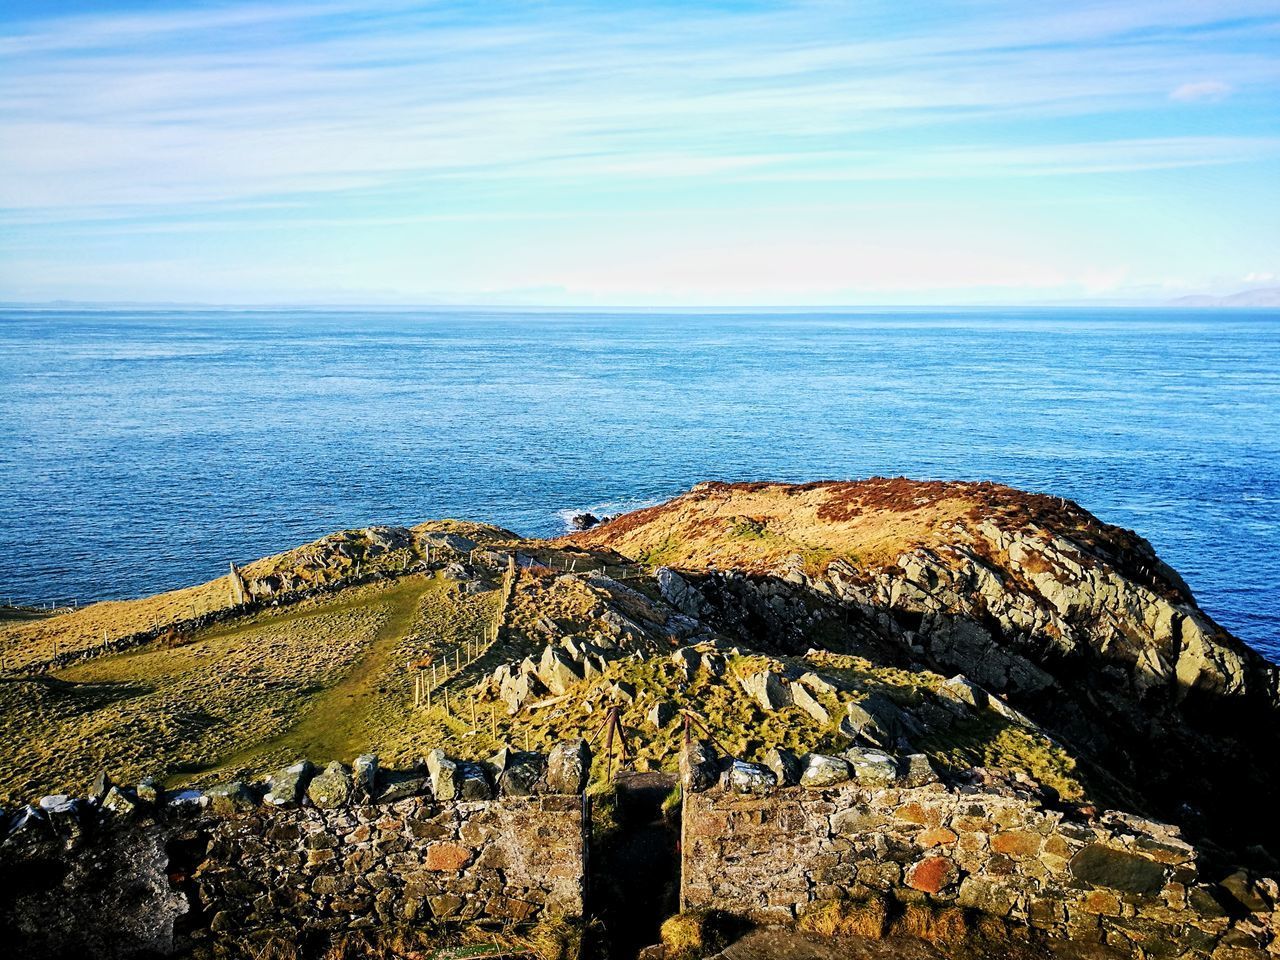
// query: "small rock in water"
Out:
[583,521]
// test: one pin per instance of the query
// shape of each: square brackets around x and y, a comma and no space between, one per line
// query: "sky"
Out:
[597,154]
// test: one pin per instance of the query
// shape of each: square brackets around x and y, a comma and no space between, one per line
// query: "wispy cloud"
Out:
[394,112]
[1201,91]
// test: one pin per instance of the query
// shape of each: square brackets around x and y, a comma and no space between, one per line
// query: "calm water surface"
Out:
[142,450]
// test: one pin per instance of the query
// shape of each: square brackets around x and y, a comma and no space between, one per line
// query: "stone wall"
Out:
[298,857]
[990,846]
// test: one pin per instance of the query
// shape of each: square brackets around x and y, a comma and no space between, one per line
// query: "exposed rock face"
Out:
[1073,626]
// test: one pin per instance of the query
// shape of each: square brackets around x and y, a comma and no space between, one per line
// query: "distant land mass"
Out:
[1262,297]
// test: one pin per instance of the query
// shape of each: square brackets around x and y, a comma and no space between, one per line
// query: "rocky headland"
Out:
[951,712]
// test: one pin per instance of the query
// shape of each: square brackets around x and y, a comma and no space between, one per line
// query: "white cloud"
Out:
[1202,91]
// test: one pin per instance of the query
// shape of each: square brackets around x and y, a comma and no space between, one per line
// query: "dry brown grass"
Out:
[694,934]
[845,918]
[935,924]
[754,526]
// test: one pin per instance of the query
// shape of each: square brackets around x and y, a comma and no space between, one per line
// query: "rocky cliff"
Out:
[1076,622]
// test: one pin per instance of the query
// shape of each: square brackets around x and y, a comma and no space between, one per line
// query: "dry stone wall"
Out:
[301,856]
[991,847]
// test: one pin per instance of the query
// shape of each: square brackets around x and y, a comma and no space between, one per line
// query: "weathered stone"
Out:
[185,801]
[986,894]
[568,766]
[401,785]
[680,593]
[824,771]
[768,689]
[786,766]
[558,671]
[231,798]
[744,777]
[917,770]
[284,787]
[699,765]
[872,767]
[148,790]
[932,874]
[120,802]
[449,857]
[875,720]
[364,776]
[520,774]
[473,783]
[446,778]
[1246,891]
[1103,866]
[102,785]
[332,788]
[807,702]
[1017,843]
[663,712]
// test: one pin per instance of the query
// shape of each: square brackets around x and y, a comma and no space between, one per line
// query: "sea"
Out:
[143,449]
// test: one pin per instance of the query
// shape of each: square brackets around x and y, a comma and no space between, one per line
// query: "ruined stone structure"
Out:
[235,866]
[878,827]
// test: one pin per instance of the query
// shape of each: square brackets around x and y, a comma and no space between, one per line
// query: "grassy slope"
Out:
[325,679]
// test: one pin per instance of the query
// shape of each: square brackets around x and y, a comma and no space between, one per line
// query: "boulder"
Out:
[558,671]
[699,766]
[364,776]
[753,778]
[824,771]
[518,773]
[28,820]
[768,689]
[185,801]
[875,720]
[230,798]
[1103,866]
[786,766]
[686,660]
[623,691]
[332,788]
[663,712]
[148,790]
[817,683]
[583,521]
[916,770]
[446,777]
[396,785]
[568,767]
[102,785]
[285,787]
[120,802]
[807,702]
[1246,891]
[473,782]
[872,767]
[714,663]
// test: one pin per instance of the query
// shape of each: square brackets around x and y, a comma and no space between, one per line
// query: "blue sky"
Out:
[663,153]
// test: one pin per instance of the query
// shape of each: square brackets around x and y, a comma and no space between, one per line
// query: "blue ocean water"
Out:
[142,450]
